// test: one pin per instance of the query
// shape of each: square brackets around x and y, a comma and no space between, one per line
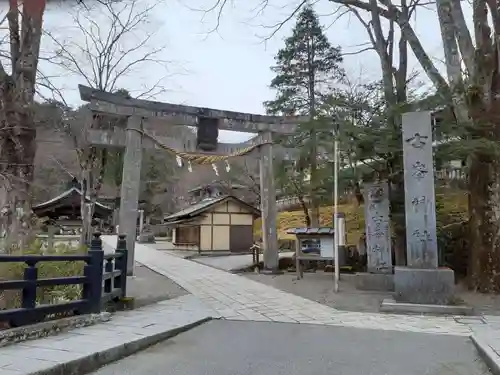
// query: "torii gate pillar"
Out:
[167,114]
[268,205]
[131,180]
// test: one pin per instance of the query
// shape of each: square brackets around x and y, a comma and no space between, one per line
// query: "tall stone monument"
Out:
[378,239]
[421,281]
[377,224]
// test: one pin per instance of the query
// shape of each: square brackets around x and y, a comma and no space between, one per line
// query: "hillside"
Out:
[452,206]
[163,184]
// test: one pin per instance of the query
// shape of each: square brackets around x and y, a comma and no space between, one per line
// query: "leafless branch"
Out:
[152,90]
[358,51]
[279,25]
[15,38]
[62,167]
[337,14]
[110,40]
[112,43]
[46,82]
[217,7]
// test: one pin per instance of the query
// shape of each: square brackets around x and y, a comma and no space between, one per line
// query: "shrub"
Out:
[451,207]
[452,230]
[451,216]
[45,295]
[453,247]
[355,222]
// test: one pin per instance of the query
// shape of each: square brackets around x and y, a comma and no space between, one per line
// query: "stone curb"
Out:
[50,328]
[488,355]
[92,362]
[389,305]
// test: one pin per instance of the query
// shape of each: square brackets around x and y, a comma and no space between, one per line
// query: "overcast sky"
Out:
[229,69]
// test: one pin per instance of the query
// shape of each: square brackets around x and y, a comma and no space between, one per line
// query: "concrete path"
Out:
[238,298]
[109,246]
[86,349]
[222,347]
[251,337]
[228,263]
[233,263]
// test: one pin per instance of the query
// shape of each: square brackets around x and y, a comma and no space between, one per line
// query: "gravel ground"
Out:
[488,304]
[318,287]
[148,287]
[261,348]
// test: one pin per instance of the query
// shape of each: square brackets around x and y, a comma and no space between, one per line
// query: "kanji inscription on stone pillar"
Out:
[420,203]
[378,234]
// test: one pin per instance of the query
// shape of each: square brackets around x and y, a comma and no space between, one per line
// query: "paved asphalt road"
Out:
[261,348]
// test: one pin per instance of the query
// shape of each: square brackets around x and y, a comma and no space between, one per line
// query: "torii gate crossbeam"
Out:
[140,112]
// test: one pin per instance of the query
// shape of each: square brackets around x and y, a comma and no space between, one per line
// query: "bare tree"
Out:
[112,41]
[17,129]
[471,88]
[242,174]
[395,93]
[473,92]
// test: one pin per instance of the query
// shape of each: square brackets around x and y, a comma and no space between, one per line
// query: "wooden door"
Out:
[240,238]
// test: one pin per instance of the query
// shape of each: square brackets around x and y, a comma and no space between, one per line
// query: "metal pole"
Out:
[335,211]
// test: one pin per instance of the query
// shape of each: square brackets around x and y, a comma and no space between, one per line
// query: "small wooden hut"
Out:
[215,224]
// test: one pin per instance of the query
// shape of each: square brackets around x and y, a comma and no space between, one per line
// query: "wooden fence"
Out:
[104,279]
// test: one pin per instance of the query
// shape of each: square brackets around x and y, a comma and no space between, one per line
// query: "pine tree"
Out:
[307,69]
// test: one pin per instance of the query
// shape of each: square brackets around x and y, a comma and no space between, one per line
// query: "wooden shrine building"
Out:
[222,224]
[66,207]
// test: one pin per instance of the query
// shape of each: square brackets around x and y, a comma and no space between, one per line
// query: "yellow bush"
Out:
[45,295]
[452,208]
[295,219]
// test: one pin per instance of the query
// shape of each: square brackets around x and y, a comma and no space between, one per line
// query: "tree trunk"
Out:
[398,220]
[484,223]
[394,83]
[313,159]
[87,162]
[84,211]
[17,153]
[484,184]
[307,218]
[90,187]
[17,128]
[314,182]
[94,190]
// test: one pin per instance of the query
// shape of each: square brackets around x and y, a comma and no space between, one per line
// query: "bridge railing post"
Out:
[121,264]
[95,273]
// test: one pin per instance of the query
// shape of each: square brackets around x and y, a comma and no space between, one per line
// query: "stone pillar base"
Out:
[146,237]
[425,286]
[375,282]
[271,271]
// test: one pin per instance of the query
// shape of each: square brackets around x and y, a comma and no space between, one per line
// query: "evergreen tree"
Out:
[307,69]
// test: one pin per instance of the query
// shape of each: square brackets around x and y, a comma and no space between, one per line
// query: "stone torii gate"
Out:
[146,117]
